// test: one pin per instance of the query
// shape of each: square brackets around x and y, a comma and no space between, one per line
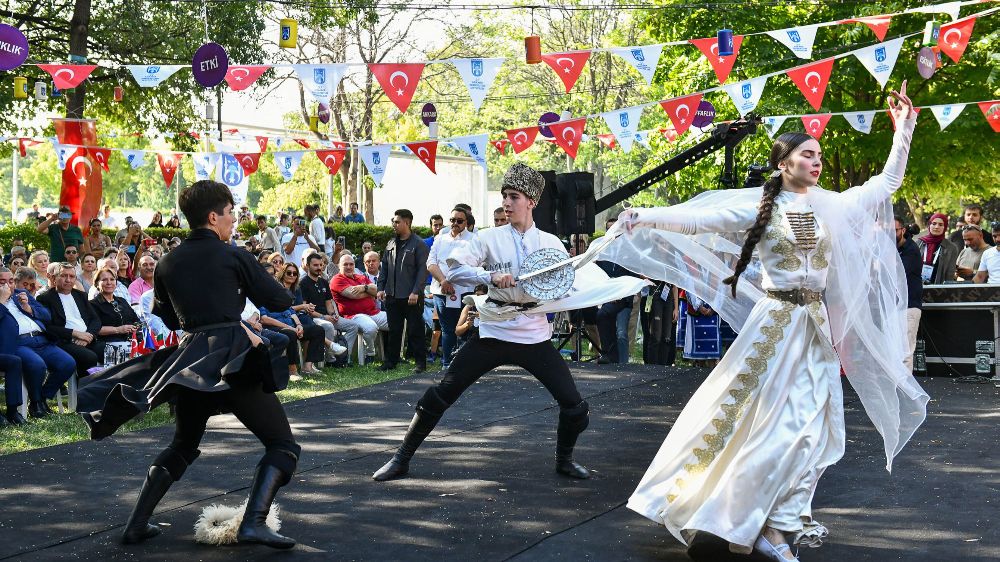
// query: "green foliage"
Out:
[26,231]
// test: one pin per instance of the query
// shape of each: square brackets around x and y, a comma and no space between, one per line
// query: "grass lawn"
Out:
[67,428]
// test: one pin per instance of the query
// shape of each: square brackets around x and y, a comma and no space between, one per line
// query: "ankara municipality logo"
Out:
[319,76]
[623,119]
[747,91]
[152,69]
[232,173]
[473,149]
[477,67]
[638,55]
[288,162]
[286,32]
[880,54]
[794,36]
[376,158]
[946,111]
[861,119]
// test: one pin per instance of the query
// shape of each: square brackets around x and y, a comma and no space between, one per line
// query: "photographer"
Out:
[909,254]
[64,234]
[296,242]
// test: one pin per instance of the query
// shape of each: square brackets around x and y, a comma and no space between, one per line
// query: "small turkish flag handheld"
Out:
[23,143]
[332,159]
[67,76]
[816,124]
[722,66]
[169,162]
[426,151]
[681,111]
[100,155]
[500,145]
[242,77]
[262,142]
[568,135]
[567,65]
[812,80]
[878,24]
[398,80]
[248,161]
[954,38]
[521,139]
[991,110]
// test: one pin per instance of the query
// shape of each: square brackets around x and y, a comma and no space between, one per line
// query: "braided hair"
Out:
[782,148]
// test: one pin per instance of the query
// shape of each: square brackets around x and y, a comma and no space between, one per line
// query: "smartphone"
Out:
[64,216]
[302,222]
[148,243]
[340,240]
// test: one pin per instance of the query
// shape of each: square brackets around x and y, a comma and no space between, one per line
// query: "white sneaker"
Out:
[776,553]
[336,348]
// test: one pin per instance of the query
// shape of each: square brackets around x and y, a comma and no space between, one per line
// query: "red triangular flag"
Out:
[242,77]
[169,162]
[681,111]
[722,66]
[262,142]
[100,155]
[991,110]
[878,24]
[67,76]
[248,161]
[816,124]
[303,142]
[669,134]
[398,80]
[567,65]
[332,159]
[337,144]
[954,38]
[23,143]
[426,152]
[812,80]
[607,140]
[521,139]
[500,145]
[893,119]
[568,134]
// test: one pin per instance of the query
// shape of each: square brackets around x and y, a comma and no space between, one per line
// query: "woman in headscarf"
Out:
[939,255]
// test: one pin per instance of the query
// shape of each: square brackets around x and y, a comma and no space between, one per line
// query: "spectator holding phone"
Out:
[296,242]
[63,234]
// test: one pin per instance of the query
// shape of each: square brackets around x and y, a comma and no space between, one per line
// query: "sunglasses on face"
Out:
[291,274]
[457,221]
[74,252]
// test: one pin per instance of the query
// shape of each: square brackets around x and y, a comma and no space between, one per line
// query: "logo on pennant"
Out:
[135,158]
[799,40]
[954,38]
[375,158]
[643,59]
[567,66]
[812,80]
[722,66]
[880,59]
[521,139]
[861,121]
[623,124]
[478,75]
[149,76]
[67,76]
[398,80]
[946,114]
[746,94]
[568,135]
[880,54]
[426,151]
[477,67]
[681,111]
[320,80]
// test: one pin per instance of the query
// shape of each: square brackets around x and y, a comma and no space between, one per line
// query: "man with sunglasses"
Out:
[447,296]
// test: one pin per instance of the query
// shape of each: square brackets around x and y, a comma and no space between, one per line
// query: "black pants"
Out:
[607,326]
[85,357]
[313,338]
[481,355]
[396,311]
[658,328]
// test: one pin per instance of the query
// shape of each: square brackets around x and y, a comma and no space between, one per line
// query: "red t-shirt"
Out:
[348,308]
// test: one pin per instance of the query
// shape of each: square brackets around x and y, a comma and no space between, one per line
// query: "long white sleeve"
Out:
[465,264]
[683,220]
[883,185]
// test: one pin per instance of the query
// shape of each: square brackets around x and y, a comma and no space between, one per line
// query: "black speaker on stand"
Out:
[575,214]
[544,214]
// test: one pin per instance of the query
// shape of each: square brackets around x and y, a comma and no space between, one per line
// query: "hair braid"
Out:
[771,189]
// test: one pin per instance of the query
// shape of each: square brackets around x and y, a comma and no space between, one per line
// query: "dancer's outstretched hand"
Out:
[900,105]
[627,220]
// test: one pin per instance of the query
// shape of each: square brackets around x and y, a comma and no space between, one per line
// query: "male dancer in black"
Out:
[219,366]
[524,341]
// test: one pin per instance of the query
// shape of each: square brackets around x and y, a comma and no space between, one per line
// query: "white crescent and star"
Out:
[949,32]
[246,73]
[86,162]
[406,81]
[247,161]
[69,71]
[567,136]
[566,69]
[814,125]
[687,111]
[819,80]
[327,160]
[518,136]
[426,154]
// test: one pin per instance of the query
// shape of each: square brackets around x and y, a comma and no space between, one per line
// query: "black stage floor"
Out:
[483,486]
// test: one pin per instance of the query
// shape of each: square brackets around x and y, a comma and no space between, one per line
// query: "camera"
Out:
[911,230]
[301,222]
[755,175]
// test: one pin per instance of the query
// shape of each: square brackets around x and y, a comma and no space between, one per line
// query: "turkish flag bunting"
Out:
[568,134]
[521,139]
[722,66]
[878,24]
[100,155]
[338,144]
[567,65]
[954,38]
[426,151]
[398,80]
[816,124]
[169,162]
[67,76]
[332,159]
[669,134]
[991,109]
[23,144]
[242,77]
[681,111]
[607,140]
[500,145]
[248,161]
[812,80]
[262,142]
[303,142]
[893,119]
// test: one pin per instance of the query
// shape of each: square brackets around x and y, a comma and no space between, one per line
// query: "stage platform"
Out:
[483,486]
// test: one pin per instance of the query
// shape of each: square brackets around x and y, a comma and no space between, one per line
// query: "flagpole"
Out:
[14,185]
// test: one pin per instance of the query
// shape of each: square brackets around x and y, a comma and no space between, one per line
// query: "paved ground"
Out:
[483,487]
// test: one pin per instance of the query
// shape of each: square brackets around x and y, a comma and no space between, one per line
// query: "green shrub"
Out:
[26,231]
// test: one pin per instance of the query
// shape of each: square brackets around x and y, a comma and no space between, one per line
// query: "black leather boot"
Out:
[138,528]
[254,529]
[421,425]
[572,422]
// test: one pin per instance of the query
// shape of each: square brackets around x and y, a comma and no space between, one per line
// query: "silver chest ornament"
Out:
[551,284]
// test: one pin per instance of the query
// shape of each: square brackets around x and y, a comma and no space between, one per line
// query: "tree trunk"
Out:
[79,28]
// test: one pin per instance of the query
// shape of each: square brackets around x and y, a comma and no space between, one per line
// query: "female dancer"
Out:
[744,457]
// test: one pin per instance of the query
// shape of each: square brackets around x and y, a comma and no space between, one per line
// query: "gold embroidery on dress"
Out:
[819,258]
[784,247]
[804,228]
[750,379]
[816,311]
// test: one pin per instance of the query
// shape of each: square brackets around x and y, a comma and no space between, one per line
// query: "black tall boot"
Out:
[572,422]
[430,408]
[254,529]
[167,468]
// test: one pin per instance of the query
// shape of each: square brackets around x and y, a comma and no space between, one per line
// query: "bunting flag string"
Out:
[426,152]
[878,24]
[991,111]
[812,80]
[568,66]
[816,124]
[169,162]
[722,65]
[521,139]
[332,159]
[398,81]
[241,77]
[954,37]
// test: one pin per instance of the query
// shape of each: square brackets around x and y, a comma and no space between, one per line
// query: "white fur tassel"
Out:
[218,524]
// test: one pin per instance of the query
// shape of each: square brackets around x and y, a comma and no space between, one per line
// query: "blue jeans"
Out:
[11,367]
[37,354]
[449,319]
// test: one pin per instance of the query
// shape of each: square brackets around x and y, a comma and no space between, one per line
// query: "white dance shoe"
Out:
[771,551]
[812,534]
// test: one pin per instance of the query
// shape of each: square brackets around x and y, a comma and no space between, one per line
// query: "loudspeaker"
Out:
[954,336]
[575,211]
[544,213]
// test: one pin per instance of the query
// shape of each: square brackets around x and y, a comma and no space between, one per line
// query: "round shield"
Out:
[550,285]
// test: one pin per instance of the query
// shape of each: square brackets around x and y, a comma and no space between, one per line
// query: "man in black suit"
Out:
[75,324]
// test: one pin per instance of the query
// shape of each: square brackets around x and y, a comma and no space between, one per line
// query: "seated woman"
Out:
[88,272]
[118,320]
[288,323]
[109,263]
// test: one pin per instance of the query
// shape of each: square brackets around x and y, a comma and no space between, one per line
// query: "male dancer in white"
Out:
[523,341]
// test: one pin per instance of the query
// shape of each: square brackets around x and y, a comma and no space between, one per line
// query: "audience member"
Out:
[277,342]
[121,289]
[354,295]
[126,266]
[144,281]
[372,262]
[157,221]
[118,320]
[909,254]
[316,228]
[310,335]
[283,227]
[447,297]
[73,324]
[10,363]
[499,217]
[267,238]
[296,242]
[658,310]
[968,259]
[338,214]
[62,234]
[467,328]
[401,280]
[88,270]
[989,267]
[702,339]
[72,253]
[315,291]
[939,255]
[366,247]
[174,222]
[276,260]
[96,242]
[972,214]
[25,278]
[108,220]
[39,262]
[354,216]
[34,214]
